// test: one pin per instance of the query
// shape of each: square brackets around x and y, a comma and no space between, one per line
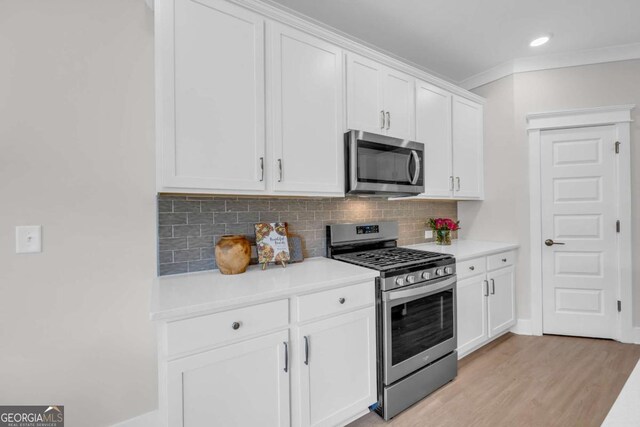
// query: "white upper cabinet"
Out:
[451,128]
[467,129]
[379,99]
[211,104]
[307,113]
[364,95]
[433,129]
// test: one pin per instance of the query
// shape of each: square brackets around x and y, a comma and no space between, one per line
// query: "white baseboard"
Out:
[150,419]
[523,327]
[636,335]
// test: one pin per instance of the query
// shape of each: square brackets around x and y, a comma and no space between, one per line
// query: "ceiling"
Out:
[462,38]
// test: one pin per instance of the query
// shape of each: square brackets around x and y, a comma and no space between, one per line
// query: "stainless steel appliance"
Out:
[383,166]
[416,311]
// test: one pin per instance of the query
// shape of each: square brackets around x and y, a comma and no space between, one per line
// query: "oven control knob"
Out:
[448,270]
[439,272]
[399,281]
[411,279]
[426,275]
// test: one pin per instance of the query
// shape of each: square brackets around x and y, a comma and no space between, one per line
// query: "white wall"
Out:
[506,152]
[77,156]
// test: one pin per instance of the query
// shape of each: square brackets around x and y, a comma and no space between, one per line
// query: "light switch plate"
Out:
[428,234]
[28,239]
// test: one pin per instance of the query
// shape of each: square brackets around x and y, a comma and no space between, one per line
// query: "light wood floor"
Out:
[526,381]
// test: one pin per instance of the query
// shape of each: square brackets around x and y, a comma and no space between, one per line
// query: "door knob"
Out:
[550,242]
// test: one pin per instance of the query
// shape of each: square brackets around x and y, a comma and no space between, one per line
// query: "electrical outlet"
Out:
[428,234]
[28,239]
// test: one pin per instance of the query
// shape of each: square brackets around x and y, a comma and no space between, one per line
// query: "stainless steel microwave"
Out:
[378,165]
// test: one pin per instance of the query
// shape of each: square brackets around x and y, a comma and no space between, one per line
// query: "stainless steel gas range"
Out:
[416,311]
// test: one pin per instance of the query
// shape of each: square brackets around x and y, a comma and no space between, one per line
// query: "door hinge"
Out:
[617,147]
[619,306]
[617,226]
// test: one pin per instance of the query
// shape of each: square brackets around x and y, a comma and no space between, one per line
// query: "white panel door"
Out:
[579,191]
[307,113]
[471,313]
[399,104]
[337,366]
[501,301]
[219,97]
[433,129]
[239,385]
[467,128]
[365,109]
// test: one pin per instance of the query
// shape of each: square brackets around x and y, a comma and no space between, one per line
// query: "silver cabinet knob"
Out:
[472,268]
[341,300]
[236,325]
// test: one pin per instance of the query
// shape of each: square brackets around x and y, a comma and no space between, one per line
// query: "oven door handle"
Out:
[424,289]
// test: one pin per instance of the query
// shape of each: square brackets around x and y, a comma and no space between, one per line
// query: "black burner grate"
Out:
[389,258]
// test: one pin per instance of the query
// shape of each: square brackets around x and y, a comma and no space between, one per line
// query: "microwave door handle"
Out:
[416,162]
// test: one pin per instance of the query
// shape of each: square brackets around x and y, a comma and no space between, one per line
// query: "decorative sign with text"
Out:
[272,243]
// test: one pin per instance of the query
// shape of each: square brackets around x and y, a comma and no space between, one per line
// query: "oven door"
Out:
[419,326]
[380,164]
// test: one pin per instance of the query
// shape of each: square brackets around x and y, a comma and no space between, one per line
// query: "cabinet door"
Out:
[433,129]
[239,385]
[365,107]
[502,313]
[399,104]
[472,313]
[337,368]
[467,136]
[211,96]
[307,113]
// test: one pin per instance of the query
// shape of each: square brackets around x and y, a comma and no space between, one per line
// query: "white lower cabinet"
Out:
[244,384]
[485,301]
[337,367]
[317,367]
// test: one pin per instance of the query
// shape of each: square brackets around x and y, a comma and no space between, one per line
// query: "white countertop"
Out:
[198,293]
[625,410]
[466,249]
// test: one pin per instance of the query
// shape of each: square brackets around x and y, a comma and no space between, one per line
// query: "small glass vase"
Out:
[443,237]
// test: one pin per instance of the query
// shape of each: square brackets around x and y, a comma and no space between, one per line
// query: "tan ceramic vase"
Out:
[233,254]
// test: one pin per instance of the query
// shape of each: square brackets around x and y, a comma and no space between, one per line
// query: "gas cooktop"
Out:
[390,258]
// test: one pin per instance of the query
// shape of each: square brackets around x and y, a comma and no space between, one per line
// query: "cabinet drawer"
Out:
[500,260]
[470,267]
[335,300]
[204,331]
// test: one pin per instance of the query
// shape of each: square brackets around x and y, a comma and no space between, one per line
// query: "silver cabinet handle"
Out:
[341,300]
[235,325]
[286,356]
[381,119]
[280,170]
[261,168]
[493,287]
[486,293]
[550,242]
[388,120]
[458,180]
[306,350]
[451,182]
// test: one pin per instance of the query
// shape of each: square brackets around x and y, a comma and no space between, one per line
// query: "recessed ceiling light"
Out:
[539,41]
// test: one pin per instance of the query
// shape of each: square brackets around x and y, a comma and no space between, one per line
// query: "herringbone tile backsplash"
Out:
[189,226]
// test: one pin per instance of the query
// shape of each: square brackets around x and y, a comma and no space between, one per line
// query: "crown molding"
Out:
[287,16]
[557,60]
